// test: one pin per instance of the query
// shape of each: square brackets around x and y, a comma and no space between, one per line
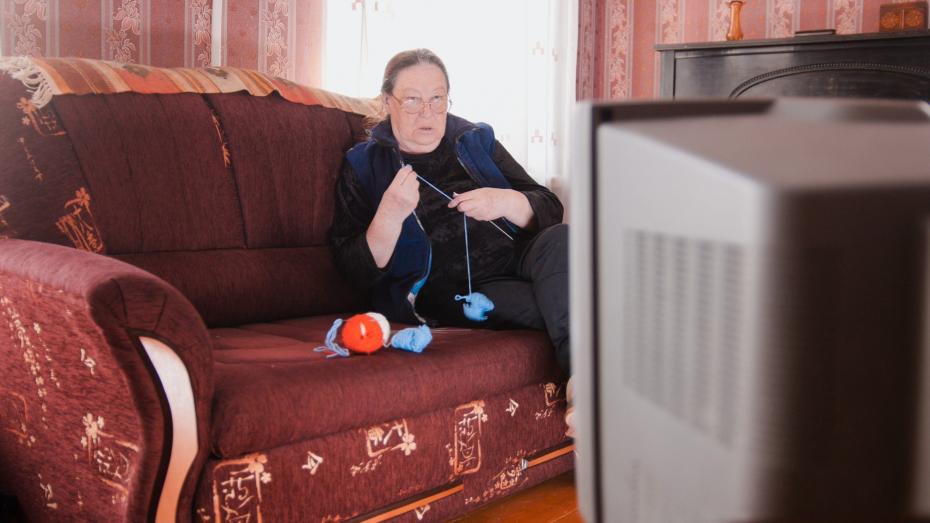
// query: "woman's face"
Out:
[422,131]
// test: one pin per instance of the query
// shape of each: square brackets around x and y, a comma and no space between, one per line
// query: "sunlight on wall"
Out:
[498,53]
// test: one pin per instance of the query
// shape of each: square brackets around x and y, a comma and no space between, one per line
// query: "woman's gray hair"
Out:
[405,59]
[398,63]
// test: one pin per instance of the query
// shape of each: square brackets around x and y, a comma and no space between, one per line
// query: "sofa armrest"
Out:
[86,423]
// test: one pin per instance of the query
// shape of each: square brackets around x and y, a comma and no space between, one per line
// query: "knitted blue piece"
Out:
[476,306]
[331,346]
[413,339]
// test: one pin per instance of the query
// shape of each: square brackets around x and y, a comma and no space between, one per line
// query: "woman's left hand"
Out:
[489,203]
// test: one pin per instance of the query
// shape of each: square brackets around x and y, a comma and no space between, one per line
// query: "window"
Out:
[510,62]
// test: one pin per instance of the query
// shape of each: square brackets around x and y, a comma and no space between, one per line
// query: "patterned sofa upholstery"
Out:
[164,279]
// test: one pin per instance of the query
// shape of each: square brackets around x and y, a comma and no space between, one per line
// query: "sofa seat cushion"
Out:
[273,389]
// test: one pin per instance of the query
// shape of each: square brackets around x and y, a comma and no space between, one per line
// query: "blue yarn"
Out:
[413,339]
[476,306]
[331,346]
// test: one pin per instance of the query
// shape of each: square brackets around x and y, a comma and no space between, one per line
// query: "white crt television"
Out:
[748,311]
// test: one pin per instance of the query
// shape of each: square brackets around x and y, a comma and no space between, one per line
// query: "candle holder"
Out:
[735,32]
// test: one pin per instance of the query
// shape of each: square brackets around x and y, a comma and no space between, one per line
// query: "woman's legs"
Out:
[545,265]
[515,304]
[536,297]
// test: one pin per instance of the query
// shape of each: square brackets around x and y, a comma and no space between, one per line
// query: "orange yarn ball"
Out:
[365,333]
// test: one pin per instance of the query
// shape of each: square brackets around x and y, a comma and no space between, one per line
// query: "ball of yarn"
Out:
[365,333]
[413,339]
[476,306]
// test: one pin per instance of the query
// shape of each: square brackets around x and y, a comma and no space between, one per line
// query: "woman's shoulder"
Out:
[456,126]
[479,132]
[373,140]
[358,149]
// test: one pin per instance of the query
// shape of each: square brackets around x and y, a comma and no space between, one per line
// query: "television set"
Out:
[749,310]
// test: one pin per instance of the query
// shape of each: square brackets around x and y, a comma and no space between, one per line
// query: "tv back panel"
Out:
[748,310]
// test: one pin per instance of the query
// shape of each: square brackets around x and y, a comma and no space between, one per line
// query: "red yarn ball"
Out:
[365,333]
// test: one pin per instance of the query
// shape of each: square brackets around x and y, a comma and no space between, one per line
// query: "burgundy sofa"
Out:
[164,280]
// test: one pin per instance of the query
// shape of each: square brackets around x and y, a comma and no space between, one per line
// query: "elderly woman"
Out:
[399,230]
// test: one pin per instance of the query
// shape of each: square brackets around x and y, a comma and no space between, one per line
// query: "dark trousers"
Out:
[535,297]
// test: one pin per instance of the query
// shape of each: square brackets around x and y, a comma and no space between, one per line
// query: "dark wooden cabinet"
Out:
[875,65]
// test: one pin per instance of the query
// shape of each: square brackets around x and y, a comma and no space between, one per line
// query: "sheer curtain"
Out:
[511,63]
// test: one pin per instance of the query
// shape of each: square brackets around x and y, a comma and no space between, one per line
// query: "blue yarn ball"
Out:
[476,306]
[413,339]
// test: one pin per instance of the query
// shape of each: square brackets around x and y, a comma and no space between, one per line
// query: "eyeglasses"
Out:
[413,105]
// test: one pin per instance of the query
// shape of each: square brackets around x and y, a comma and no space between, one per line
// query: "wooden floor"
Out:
[549,502]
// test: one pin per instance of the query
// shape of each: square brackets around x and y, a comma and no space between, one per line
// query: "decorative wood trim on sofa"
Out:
[179,394]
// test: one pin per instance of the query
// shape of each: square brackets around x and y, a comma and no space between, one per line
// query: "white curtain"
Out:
[511,63]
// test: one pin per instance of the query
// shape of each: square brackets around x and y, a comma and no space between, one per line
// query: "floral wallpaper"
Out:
[254,34]
[616,56]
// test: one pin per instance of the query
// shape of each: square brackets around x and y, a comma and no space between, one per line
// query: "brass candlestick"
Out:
[735,32]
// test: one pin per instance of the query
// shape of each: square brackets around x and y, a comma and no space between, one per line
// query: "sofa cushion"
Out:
[234,286]
[155,173]
[272,389]
[285,158]
[43,193]
[228,197]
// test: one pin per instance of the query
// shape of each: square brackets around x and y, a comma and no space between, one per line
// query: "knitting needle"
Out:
[437,189]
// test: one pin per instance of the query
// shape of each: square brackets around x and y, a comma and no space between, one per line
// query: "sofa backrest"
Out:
[226,196]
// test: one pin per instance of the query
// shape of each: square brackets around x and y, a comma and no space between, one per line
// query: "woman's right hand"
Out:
[398,201]
[402,196]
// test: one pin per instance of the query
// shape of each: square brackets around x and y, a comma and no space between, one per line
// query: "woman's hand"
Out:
[399,200]
[401,197]
[489,203]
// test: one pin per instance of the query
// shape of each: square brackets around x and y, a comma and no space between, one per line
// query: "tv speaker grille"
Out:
[681,326]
